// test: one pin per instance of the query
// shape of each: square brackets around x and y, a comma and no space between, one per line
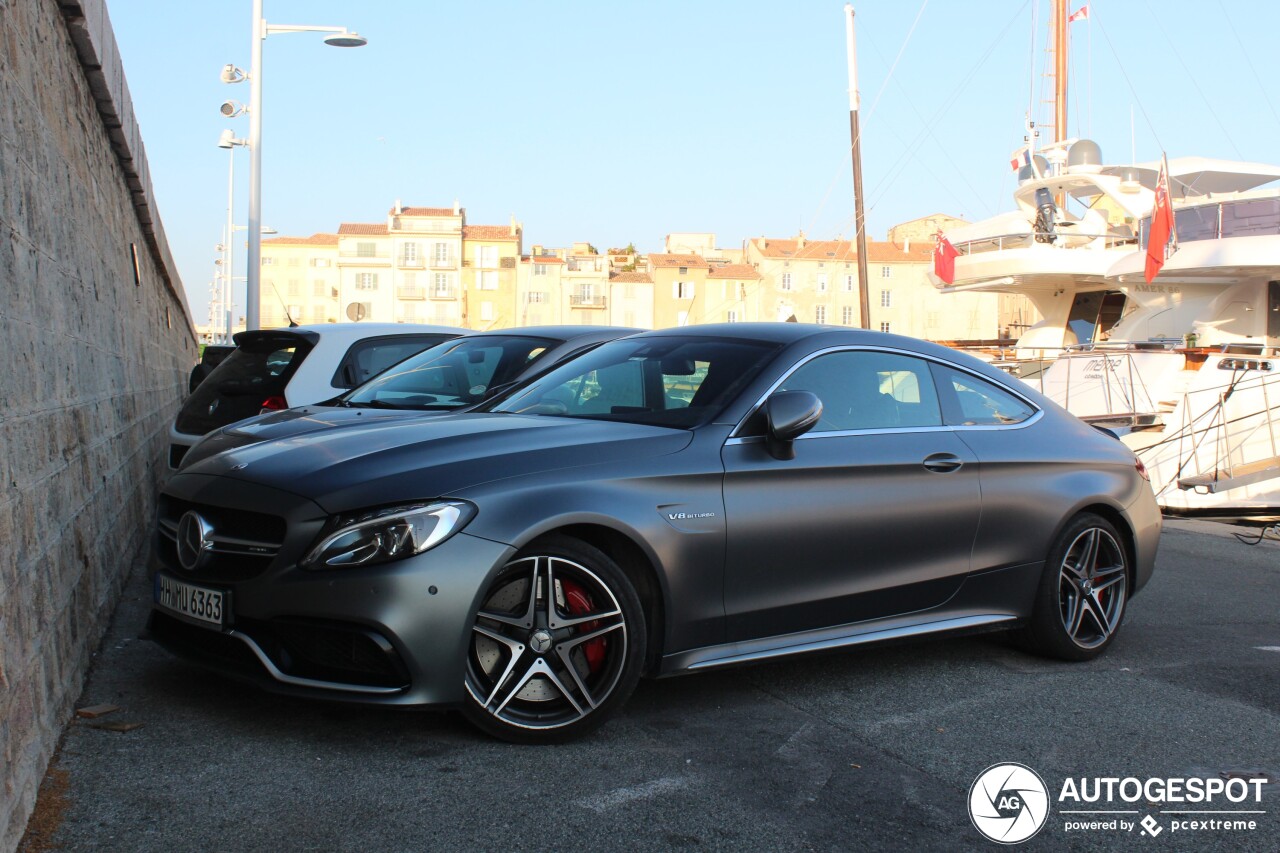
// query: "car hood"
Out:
[289,423]
[372,461]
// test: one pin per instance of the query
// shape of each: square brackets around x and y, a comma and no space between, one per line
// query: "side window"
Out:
[869,390]
[366,359]
[970,401]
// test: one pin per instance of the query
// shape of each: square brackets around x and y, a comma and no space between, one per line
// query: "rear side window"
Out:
[237,388]
[970,401]
[367,358]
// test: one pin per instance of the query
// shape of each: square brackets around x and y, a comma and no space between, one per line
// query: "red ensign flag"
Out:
[944,259]
[1161,224]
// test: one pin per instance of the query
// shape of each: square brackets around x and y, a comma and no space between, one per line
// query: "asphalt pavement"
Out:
[871,749]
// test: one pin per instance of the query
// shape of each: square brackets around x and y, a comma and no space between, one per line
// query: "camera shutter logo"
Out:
[193,540]
[1008,803]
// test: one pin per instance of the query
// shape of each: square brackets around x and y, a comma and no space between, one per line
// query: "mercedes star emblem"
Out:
[193,540]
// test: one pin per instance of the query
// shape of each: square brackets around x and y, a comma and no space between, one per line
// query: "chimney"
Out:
[399,208]
[906,245]
[800,241]
[514,228]
[456,208]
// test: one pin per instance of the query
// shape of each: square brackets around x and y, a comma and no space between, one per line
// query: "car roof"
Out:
[350,332]
[564,333]
[782,333]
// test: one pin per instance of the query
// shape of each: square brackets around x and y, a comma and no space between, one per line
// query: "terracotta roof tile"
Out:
[631,278]
[841,250]
[428,211]
[313,240]
[366,228]
[661,260]
[740,272]
[541,259]
[489,232]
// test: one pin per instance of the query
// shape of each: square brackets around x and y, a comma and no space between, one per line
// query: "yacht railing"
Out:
[1062,239]
[1255,217]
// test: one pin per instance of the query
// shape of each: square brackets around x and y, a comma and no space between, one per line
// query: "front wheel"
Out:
[556,646]
[1083,593]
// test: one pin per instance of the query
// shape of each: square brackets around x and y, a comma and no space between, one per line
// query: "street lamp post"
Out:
[228,141]
[338,37]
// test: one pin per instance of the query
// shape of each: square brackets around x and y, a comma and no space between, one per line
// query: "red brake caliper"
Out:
[578,602]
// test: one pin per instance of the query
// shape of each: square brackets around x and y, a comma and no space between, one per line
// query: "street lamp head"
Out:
[346,39]
[231,74]
[231,109]
[227,139]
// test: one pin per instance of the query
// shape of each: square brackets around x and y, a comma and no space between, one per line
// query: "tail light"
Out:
[273,404]
[1142,469]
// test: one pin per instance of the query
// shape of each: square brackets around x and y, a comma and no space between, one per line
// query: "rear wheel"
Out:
[1083,592]
[556,646]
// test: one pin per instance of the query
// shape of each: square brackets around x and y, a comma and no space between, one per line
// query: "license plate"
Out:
[195,603]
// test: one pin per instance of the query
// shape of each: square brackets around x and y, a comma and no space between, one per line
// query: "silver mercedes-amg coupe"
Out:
[677,500]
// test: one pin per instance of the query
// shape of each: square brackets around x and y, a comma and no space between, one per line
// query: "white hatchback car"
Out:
[281,368]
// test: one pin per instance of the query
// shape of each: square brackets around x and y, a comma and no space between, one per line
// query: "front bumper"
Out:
[394,634]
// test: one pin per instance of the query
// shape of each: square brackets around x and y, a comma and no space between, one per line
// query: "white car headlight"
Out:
[381,535]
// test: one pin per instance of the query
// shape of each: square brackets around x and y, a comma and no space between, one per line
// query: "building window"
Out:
[846,315]
[318,314]
[885,272]
[293,262]
[488,256]
[295,287]
[366,250]
[820,314]
[684,270]
[366,281]
[884,327]
[486,311]
[732,317]
[410,279]
[410,253]
[822,282]
[786,281]
[535,297]
[931,320]
[442,285]
[440,254]
[266,262]
[539,269]
[487,280]
[318,289]
[886,299]
[684,290]
[319,262]
[848,283]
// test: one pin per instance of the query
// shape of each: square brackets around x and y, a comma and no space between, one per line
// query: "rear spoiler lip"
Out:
[290,335]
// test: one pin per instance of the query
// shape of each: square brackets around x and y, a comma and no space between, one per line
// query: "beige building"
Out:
[924,229]
[816,281]
[631,299]
[422,265]
[679,289]
[300,280]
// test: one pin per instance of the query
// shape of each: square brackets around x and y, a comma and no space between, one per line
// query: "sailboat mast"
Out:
[1059,24]
[860,222]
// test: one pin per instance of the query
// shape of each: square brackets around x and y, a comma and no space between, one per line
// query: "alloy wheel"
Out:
[548,646]
[1092,586]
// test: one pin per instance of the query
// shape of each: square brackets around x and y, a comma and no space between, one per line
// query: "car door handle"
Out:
[942,463]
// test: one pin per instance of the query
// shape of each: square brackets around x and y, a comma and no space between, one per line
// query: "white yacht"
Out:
[1184,367]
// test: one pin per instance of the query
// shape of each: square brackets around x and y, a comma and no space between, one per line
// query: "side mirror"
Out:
[789,415]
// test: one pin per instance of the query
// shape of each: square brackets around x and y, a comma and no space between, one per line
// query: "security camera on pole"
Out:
[337,37]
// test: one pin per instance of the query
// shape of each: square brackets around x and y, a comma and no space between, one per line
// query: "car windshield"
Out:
[451,375]
[662,381]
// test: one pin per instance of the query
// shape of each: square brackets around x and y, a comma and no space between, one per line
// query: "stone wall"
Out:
[95,346]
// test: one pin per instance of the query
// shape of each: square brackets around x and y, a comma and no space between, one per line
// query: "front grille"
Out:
[243,543]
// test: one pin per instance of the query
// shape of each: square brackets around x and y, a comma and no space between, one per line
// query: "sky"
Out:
[617,122]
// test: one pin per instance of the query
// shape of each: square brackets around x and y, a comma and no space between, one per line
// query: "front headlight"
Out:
[380,535]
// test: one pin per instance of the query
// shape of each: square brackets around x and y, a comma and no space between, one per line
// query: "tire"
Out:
[551,668]
[1083,592]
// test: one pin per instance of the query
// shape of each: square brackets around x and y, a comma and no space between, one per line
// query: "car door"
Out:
[875,516]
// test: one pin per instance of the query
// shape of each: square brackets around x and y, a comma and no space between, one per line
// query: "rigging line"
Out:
[1265,94]
[1125,74]
[899,164]
[945,153]
[1194,82]
[883,85]
[1031,66]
